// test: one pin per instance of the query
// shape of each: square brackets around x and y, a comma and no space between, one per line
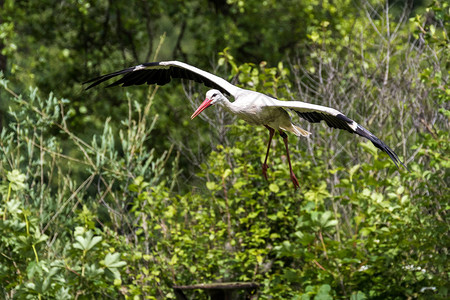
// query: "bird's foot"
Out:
[294,181]
[264,170]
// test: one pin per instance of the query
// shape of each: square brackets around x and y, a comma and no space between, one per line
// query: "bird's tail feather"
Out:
[297,130]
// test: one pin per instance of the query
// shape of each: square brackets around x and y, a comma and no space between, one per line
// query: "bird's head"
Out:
[212,97]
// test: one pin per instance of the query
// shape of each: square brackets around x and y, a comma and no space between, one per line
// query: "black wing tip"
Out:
[386,149]
[380,145]
[172,70]
[97,80]
[341,121]
[392,155]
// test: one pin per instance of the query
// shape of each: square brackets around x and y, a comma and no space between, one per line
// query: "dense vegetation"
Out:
[106,194]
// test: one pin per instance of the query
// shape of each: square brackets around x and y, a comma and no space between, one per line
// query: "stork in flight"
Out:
[253,107]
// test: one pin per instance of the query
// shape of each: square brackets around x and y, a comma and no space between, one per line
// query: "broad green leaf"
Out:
[274,188]
[358,296]
[112,260]
[226,173]
[211,185]
[86,242]
[324,293]
[16,179]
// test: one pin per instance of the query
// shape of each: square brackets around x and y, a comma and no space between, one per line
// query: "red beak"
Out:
[202,107]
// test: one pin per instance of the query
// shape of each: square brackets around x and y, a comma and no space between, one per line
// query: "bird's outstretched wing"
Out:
[161,73]
[335,119]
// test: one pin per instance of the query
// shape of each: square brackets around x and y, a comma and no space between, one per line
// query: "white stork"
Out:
[253,107]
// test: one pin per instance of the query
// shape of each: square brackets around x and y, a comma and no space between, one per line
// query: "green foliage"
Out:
[93,199]
[51,243]
[313,241]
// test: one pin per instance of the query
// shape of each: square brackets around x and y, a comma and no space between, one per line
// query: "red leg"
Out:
[264,165]
[293,178]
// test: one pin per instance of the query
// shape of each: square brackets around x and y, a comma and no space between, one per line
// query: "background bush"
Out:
[107,195]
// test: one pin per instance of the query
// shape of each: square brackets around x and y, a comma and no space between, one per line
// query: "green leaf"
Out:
[86,242]
[358,296]
[432,29]
[323,297]
[112,260]
[211,185]
[14,206]
[369,148]
[16,179]
[274,188]
[352,171]
[324,217]
[314,36]
[324,293]
[117,282]
[226,173]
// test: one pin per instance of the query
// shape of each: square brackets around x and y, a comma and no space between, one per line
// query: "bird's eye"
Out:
[214,95]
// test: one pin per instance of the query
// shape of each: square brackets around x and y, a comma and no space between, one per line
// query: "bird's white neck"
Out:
[228,105]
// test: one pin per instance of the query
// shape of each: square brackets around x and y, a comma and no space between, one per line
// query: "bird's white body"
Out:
[258,109]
